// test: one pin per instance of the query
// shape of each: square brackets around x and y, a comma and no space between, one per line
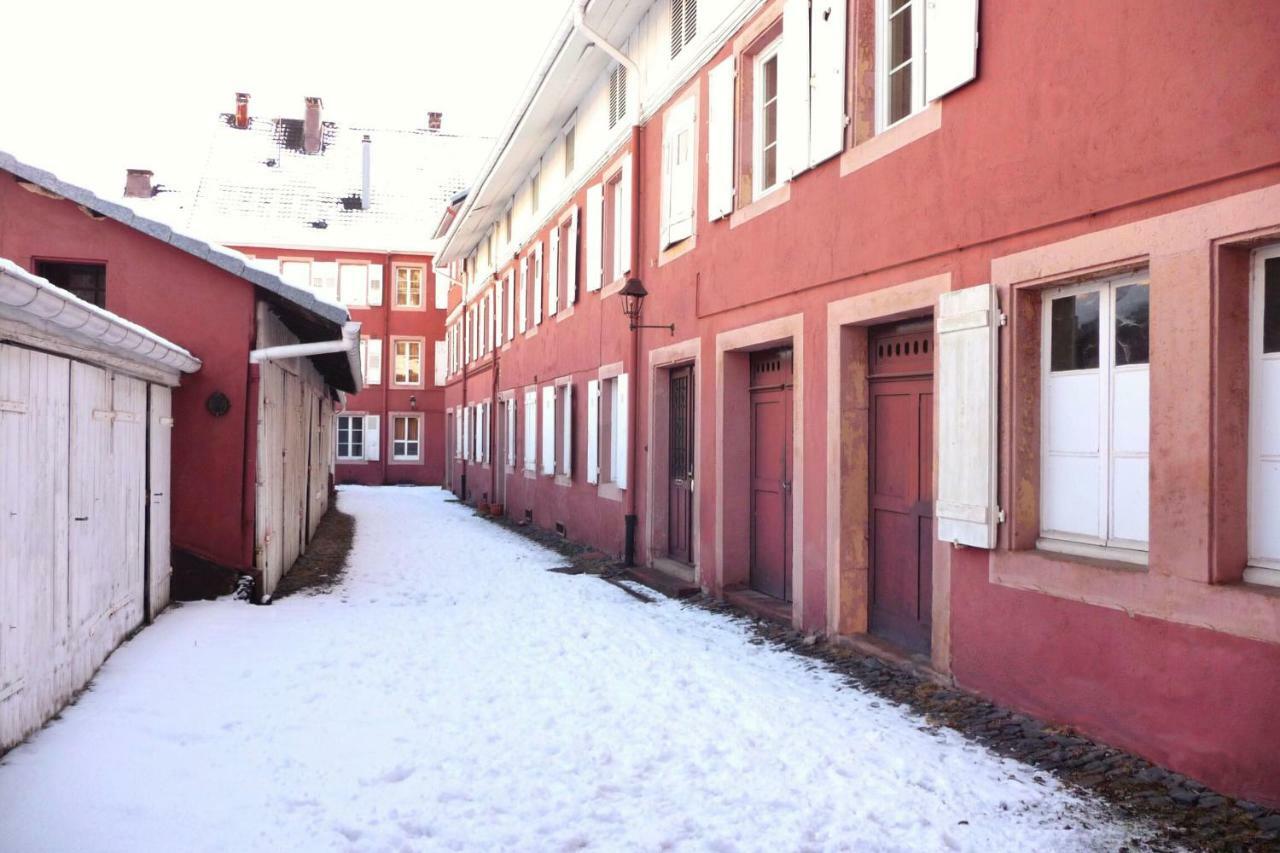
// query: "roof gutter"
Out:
[633,69]
[348,343]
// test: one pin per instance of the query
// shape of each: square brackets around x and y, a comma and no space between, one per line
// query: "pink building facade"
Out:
[974,346]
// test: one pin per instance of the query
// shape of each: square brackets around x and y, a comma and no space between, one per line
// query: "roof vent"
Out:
[137,183]
[242,111]
[320,223]
[312,132]
[435,121]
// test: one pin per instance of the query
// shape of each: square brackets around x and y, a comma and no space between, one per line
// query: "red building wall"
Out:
[194,304]
[383,322]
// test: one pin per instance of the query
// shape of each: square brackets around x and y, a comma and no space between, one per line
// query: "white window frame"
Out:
[396,455]
[305,262]
[759,189]
[337,432]
[618,199]
[1260,569]
[1107,545]
[531,431]
[396,304]
[396,341]
[363,300]
[883,34]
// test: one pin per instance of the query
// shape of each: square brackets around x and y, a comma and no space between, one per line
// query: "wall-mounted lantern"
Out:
[633,294]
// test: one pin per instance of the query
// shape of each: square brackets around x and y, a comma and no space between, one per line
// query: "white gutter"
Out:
[40,300]
[633,69]
[348,343]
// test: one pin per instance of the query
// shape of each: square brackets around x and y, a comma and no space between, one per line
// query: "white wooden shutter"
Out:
[566,449]
[440,362]
[595,233]
[537,283]
[511,433]
[511,306]
[375,284]
[457,432]
[553,272]
[479,416]
[497,313]
[530,430]
[968,330]
[828,30]
[374,349]
[571,262]
[720,125]
[678,174]
[372,437]
[622,240]
[793,89]
[548,429]
[593,430]
[950,45]
[621,426]
[523,265]
[324,276]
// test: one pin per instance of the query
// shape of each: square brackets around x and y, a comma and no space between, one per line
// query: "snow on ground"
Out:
[451,694]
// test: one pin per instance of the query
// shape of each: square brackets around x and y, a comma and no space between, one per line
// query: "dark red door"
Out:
[901,475]
[680,491]
[771,446]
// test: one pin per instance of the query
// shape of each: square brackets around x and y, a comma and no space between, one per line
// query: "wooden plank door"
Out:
[95,542]
[901,481]
[680,486]
[160,442]
[771,462]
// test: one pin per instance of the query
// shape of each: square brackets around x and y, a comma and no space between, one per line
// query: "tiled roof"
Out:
[259,188]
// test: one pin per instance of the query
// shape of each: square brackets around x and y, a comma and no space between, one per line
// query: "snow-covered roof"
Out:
[220,256]
[260,188]
[36,300]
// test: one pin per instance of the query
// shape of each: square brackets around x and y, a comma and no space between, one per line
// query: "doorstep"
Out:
[758,604]
[665,576]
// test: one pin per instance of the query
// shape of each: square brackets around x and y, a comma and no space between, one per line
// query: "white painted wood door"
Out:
[160,441]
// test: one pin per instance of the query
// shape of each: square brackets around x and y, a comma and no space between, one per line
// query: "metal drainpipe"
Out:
[633,71]
[465,438]
[388,428]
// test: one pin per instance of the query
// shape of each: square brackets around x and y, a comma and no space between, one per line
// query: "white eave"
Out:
[24,296]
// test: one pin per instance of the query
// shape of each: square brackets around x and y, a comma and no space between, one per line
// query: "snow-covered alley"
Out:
[452,694]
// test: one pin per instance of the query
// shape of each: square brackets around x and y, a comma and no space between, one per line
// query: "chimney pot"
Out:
[312,132]
[242,110]
[434,121]
[137,183]
[367,157]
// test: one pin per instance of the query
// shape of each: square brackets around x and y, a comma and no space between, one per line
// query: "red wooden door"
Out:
[680,489]
[771,459]
[901,478]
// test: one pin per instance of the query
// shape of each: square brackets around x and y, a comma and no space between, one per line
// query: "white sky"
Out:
[91,88]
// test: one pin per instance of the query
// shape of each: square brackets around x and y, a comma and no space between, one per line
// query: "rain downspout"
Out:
[637,165]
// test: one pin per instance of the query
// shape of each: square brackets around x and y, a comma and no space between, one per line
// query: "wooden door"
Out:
[159,440]
[771,462]
[680,449]
[901,481]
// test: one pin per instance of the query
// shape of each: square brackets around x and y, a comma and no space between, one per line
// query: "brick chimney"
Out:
[242,110]
[434,120]
[137,183]
[312,132]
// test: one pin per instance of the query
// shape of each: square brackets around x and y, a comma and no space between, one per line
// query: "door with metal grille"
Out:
[680,488]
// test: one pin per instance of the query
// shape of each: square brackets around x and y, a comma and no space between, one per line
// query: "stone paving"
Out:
[1189,815]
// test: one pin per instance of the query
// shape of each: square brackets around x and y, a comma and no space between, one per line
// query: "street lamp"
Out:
[633,294]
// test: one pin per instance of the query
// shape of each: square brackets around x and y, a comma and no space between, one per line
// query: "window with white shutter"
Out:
[375,284]
[720,127]
[617,95]
[523,264]
[372,437]
[548,430]
[950,45]
[828,35]
[553,272]
[372,356]
[511,432]
[967,328]
[441,362]
[537,283]
[1095,416]
[353,283]
[793,91]
[297,273]
[457,432]
[566,429]
[324,277]
[594,226]
[350,437]
[622,221]
[531,430]
[498,327]
[569,254]
[677,172]
[1264,419]
[766,157]
[684,24]
[593,430]
[620,429]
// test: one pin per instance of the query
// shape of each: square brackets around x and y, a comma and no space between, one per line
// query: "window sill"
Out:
[351,461]
[775,198]
[1262,576]
[530,475]
[564,480]
[677,250]
[564,314]
[613,287]
[891,139]
[1120,558]
[405,462]
[611,492]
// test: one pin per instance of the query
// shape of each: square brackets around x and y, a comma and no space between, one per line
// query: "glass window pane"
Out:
[1074,332]
[1271,306]
[1133,326]
[895,5]
[770,79]
[770,167]
[900,38]
[900,94]
[770,129]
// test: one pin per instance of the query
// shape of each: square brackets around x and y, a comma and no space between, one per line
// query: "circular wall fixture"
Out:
[218,404]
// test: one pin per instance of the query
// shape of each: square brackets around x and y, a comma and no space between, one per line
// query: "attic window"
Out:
[352,202]
[617,95]
[684,24]
[87,281]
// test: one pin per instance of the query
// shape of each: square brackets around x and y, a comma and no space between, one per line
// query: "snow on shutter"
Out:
[793,89]
[621,424]
[372,441]
[375,284]
[523,265]
[827,92]
[571,262]
[553,272]
[537,283]
[720,110]
[968,329]
[324,276]
[511,306]
[622,240]
[595,232]
[593,430]
[950,45]
[374,349]
[441,361]
[566,450]
[549,429]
